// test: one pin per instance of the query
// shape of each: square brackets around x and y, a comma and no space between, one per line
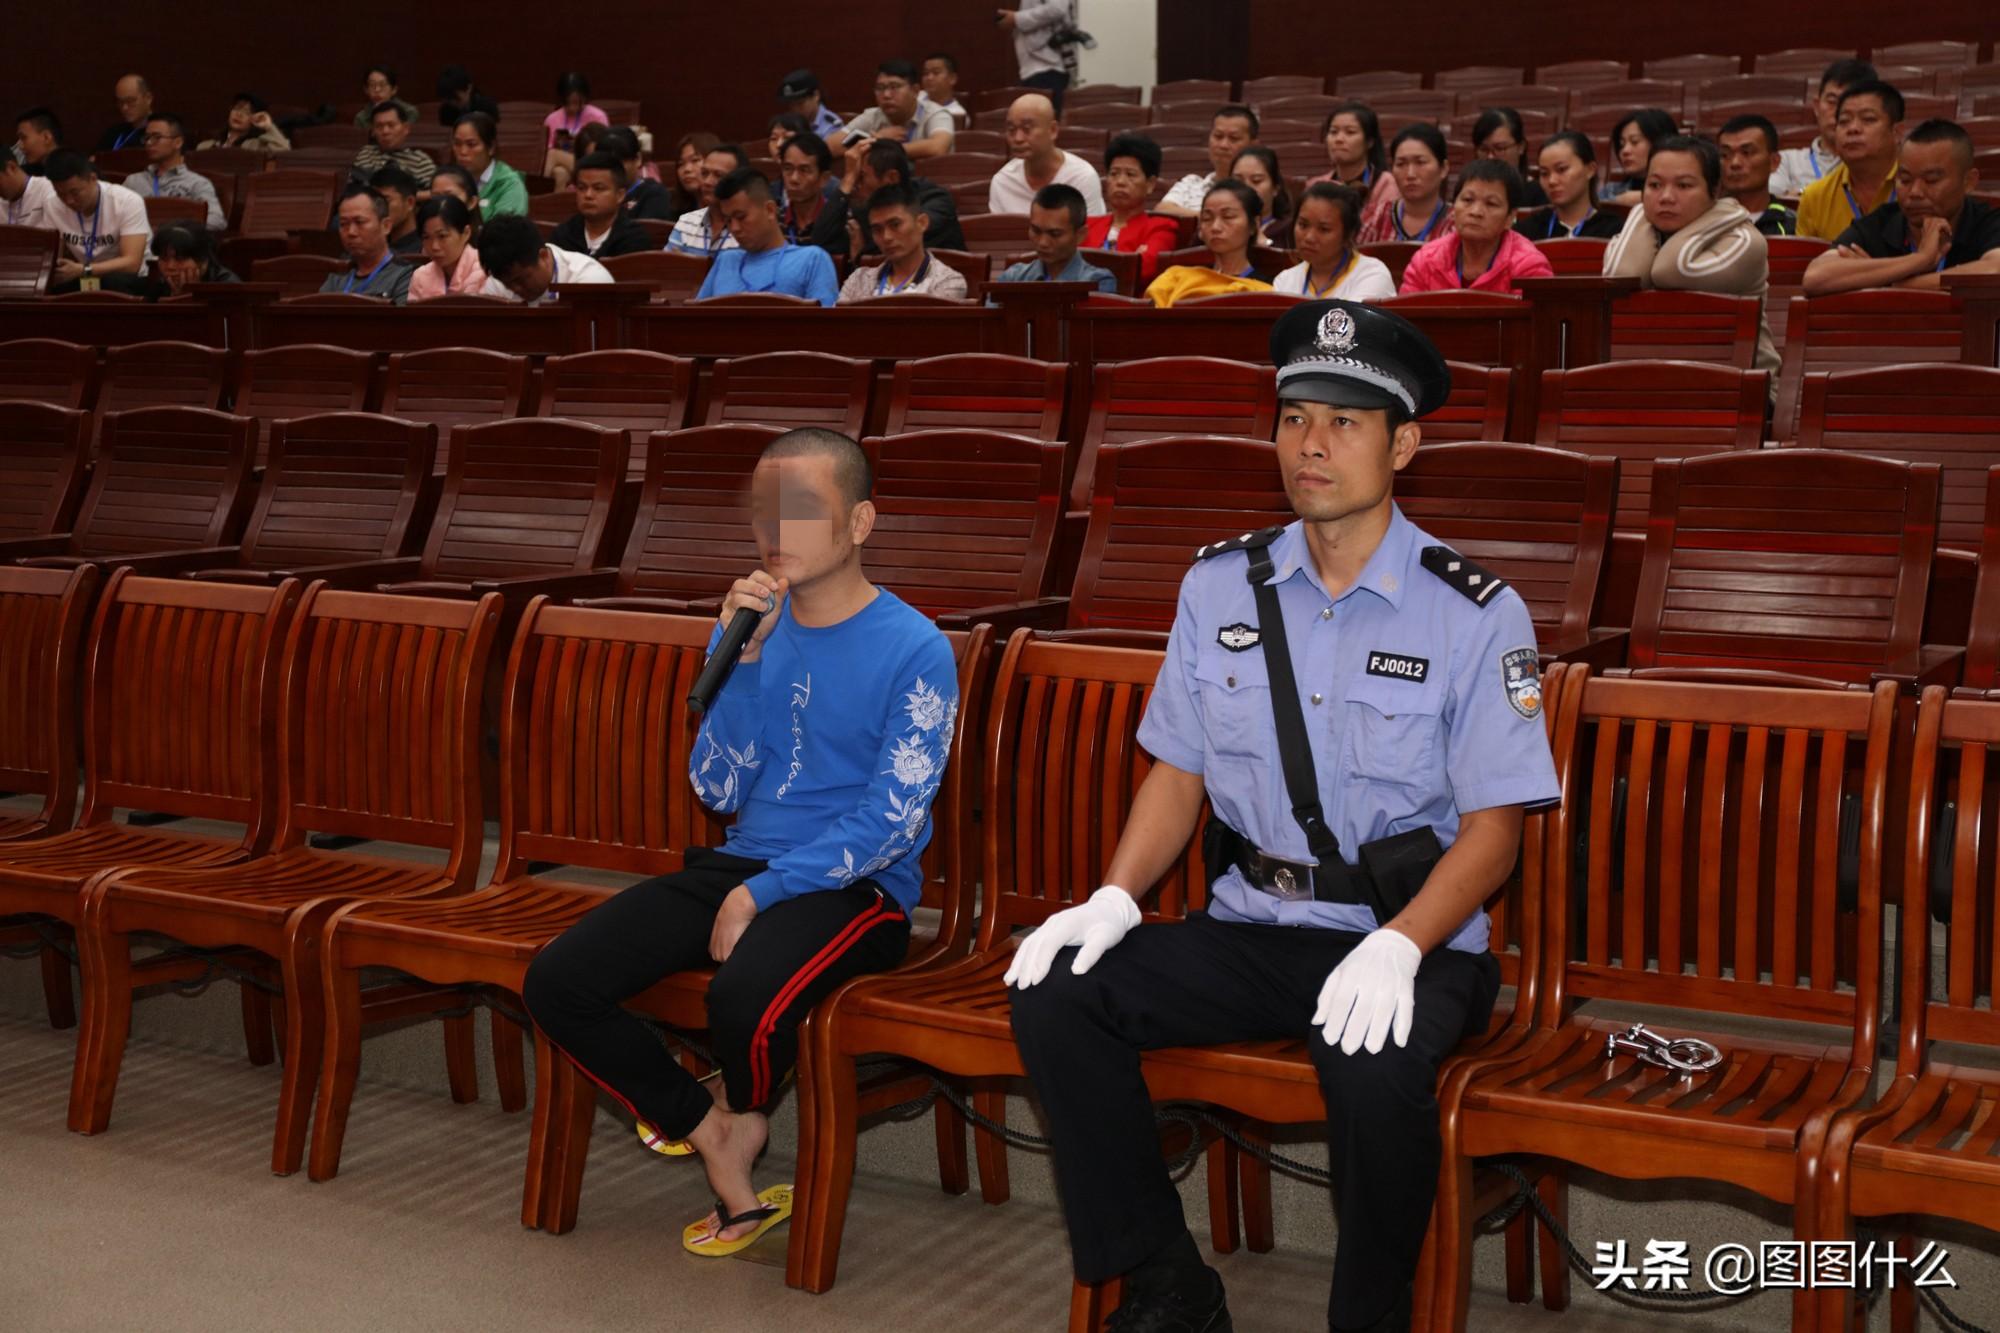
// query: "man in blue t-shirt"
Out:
[762,260]
[828,743]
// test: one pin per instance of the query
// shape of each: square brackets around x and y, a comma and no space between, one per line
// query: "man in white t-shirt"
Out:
[104,230]
[1038,163]
[25,201]
[1233,129]
[898,114]
[940,80]
[520,267]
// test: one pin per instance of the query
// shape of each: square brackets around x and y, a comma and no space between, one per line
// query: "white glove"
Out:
[1372,991]
[1095,924]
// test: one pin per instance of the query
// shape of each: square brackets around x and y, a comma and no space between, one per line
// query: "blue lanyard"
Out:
[348,286]
[1436,213]
[1854,205]
[127,137]
[96,214]
[882,278]
[156,182]
[1577,230]
[1812,156]
[1339,272]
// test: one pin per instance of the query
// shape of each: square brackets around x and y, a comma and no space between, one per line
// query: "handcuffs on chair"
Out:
[1689,1055]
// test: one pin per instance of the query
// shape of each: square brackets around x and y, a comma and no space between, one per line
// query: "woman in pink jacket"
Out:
[1482,252]
[446,226]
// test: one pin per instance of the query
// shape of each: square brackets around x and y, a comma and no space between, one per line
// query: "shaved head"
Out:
[1032,106]
[850,464]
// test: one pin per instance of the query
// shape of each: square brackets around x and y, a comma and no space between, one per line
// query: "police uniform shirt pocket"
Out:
[1235,702]
[1395,728]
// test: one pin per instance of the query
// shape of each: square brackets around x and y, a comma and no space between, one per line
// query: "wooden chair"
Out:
[636,392]
[161,374]
[297,275]
[1668,93]
[1784,88]
[1686,927]
[980,391]
[278,202]
[1481,78]
[1880,326]
[1477,407]
[1583,73]
[1178,136]
[1982,650]
[47,370]
[1121,264]
[378,739]
[954,168]
[1935,53]
[1302,106]
[41,468]
[275,383]
[1377,81]
[1692,68]
[1096,94]
[790,389]
[1172,395]
[1686,326]
[1804,61]
[164,210]
[1256,92]
[1639,412]
[1790,257]
[555,206]
[1401,106]
[1191,90]
[993,141]
[995,233]
[27,260]
[455,386]
[673,277]
[1569,256]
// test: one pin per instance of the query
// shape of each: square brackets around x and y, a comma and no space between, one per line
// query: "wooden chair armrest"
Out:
[23,548]
[1042,613]
[1932,664]
[361,573]
[560,587]
[177,562]
[1598,649]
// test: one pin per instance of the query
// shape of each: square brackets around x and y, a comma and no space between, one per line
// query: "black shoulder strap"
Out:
[1462,575]
[1249,541]
[1294,749]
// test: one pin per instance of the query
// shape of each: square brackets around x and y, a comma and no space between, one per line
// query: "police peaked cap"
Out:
[1347,354]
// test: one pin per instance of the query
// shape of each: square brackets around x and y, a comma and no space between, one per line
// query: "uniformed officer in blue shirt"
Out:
[1357,924]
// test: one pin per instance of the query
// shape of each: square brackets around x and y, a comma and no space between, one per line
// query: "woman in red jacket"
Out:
[1131,166]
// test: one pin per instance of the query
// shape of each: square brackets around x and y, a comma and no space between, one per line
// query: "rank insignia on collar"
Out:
[1237,638]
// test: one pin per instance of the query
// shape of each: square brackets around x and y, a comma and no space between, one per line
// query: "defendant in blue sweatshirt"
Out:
[828,744]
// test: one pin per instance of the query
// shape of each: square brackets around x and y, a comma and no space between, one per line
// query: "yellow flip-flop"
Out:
[661,1144]
[774,1205]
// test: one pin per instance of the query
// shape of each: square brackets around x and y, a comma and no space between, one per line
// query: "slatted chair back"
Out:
[1943,414]
[1932,54]
[980,391]
[1667,93]
[27,260]
[1401,106]
[41,467]
[1804,61]
[276,202]
[995,233]
[1476,408]
[1156,503]
[1583,73]
[1982,649]
[1173,395]
[1693,68]
[455,386]
[691,537]
[47,370]
[790,389]
[1686,326]
[274,383]
[1303,106]
[1539,518]
[1639,412]
[1188,90]
[1378,81]
[956,167]
[1805,561]
[1480,78]
[1877,327]
[161,374]
[632,391]
[42,617]
[1256,92]
[180,700]
[1763,86]
[167,479]
[1570,256]
[964,518]
[341,487]
[1465,326]
[165,210]
[297,275]
[673,277]
[1790,256]
[527,496]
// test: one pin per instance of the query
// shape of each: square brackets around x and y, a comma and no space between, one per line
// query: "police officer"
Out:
[1351,669]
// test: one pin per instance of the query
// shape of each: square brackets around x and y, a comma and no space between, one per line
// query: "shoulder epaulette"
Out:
[1462,575]
[1247,542]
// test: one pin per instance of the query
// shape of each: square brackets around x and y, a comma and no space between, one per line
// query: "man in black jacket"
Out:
[815,211]
[600,228]
[874,163]
[644,197]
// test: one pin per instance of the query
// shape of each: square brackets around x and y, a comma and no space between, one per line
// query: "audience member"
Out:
[898,225]
[135,105]
[1228,227]
[1800,167]
[501,190]
[1355,157]
[400,190]
[1869,124]
[1749,146]
[1569,183]
[363,223]
[885,163]
[940,79]
[815,211]
[783,126]
[644,198]
[701,231]
[457,183]
[1035,161]
[1330,265]
[389,129]
[167,175]
[183,255]
[559,164]
[104,230]
[599,227]
[1055,228]
[250,127]
[1633,140]
[688,154]
[573,112]
[1689,236]
[457,98]
[378,87]
[1047,62]
[799,94]
[1482,252]
[762,260]
[1131,166]
[898,115]
[520,267]
[1232,129]
[1933,225]
[37,137]
[1257,167]
[31,201]
[1498,134]
[1417,211]
[446,226]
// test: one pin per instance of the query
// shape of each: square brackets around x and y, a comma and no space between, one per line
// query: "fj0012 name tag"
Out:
[1398,667]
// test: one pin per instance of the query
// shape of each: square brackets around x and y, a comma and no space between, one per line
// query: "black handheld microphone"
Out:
[723,660]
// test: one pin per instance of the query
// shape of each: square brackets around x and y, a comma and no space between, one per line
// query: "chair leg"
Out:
[1903,1295]
[574,1108]
[257,1025]
[535,1185]
[1519,1238]
[340,1059]
[1451,1287]
[57,993]
[834,1130]
[461,1063]
[509,1071]
[1553,1190]
[305,1034]
[1224,1199]
[1091,1303]
[953,1174]
[1254,1189]
[990,1100]
[108,985]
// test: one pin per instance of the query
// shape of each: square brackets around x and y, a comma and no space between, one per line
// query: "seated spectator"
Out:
[399,188]
[168,176]
[1482,252]
[1035,161]
[1749,146]
[702,231]
[815,211]
[135,105]
[37,137]
[456,182]
[1055,227]
[1800,167]
[519,267]
[1257,167]
[783,126]
[762,260]
[363,223]
[799,94]
[573,112]
[686,184]
[104,230]
[1417,211]
[897,115]
[1569,183]
[377,87]
[644,198]
[30,200]
[940,80]
[445,223]
[1228,227]
[457,98]
[251,128]
[898,226]
[1131,166]
[1353,136]
[1633,140]
[389,130]
[599,227]
[1330,265]
[882,164]
[1498,134]
[1932,227]
[1689,236]
[1232,129]
[501,190]
[184,255]
[1869,124]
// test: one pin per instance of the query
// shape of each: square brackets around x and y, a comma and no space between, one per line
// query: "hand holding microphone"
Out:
[749,614]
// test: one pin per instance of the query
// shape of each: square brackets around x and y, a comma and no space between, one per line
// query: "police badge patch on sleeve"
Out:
[1522,676]
[1237,638]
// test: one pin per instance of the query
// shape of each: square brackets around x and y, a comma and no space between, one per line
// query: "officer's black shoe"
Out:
[1396,1319]
[1181,1308]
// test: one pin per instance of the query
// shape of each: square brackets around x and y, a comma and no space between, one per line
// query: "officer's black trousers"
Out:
[1203,982]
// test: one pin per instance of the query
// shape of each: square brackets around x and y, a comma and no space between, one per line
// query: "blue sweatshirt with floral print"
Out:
[829,750]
